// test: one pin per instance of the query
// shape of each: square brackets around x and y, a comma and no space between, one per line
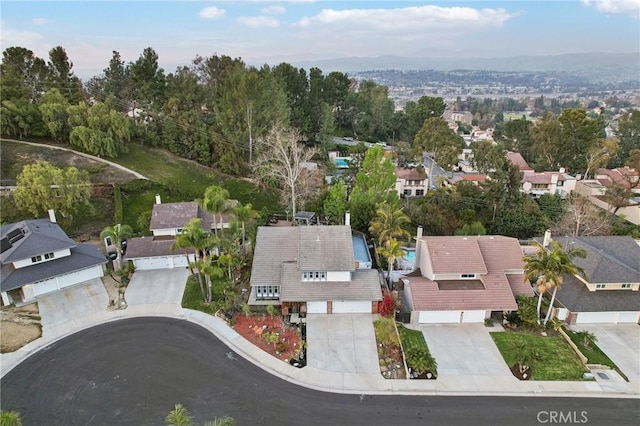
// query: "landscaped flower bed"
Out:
[420,362]
[269,333]
[389,350]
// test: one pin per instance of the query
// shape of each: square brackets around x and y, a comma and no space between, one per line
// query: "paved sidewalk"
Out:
[330,381]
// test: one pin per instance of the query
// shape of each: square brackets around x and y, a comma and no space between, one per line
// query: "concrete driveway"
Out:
[344,343]
[621,343]
[157,287]
[74,302]
[465,349]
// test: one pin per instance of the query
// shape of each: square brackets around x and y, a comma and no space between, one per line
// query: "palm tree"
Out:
[10,418]
[179,416]
[388,223]
[193,236]
[548,267]
[244,213]
[117,233]
[391,252]
[215,202]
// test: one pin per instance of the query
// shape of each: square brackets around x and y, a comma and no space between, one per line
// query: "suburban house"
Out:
[167,221]
[38,257]
[540,183]
[464,279]
[411,182]
[314,269]
[624,176]
[610,294]
[595,191]
[516,159]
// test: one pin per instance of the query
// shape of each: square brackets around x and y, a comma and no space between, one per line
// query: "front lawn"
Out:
[592,352]
[192,297]
[416,352]
[556,360]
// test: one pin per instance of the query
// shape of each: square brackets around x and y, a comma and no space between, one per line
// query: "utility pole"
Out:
[249,120]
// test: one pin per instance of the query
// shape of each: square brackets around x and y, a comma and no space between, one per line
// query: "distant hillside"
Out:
[597,65]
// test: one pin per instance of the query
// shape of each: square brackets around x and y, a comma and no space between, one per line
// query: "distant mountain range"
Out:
[623,66]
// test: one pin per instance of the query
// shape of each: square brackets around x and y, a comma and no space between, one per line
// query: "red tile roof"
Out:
[622,176]
[497,260]
[410,174]
[517,159]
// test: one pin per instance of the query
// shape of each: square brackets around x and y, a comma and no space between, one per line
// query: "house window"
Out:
[179,231]
[407,192]
[540,186]
[48,256]
[560,183]
[467,276]
[601,286]
[36,259]
[267,292]
[314,276]
[627,285]
[419,192]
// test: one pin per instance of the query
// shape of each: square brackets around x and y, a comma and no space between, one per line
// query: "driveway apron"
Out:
[72,303]
[343,343]
[465,349]
[157,287]
[621,343]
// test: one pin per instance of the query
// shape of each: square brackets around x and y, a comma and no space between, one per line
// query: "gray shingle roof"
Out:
[82,256]
[364,285]
[326,248]
[40,236]
[610,259]
[176,215]
[152,247]
[274,245]
[576,297]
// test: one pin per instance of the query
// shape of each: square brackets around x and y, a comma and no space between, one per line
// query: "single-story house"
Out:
[314,269]
[38,257]
[464,279]
[167,221]
[611,292]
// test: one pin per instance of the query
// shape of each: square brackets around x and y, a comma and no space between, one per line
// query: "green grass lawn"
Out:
[192,298]
[411,338]
[190,178]
[593,353]
[558,361]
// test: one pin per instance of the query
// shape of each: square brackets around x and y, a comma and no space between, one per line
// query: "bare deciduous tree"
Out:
[582,218]
[281,158]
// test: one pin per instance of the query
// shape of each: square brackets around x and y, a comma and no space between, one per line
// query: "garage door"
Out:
[44,287]
[149,263]
[597,318]
[439,317]
[473,316]
[180,262]
[629,317]
[317,307]
[79,277]
[351,307]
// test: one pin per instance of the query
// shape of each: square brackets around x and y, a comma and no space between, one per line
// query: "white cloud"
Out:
[623,7]
[40,21]
[12,37]
[211,12]
[259,21]
[276,9]
[409,18]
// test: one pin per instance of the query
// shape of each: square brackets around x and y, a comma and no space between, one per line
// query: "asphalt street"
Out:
[132,372]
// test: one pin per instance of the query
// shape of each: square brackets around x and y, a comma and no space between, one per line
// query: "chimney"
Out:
[347,218]
[158,200]
[547,238]
[52,216]
[418,244]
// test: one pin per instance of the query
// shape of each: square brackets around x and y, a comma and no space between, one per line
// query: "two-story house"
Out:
[537,184]
[464,279]
[38,257]
[167,222]
[411,182]
[611,292]
[313,269]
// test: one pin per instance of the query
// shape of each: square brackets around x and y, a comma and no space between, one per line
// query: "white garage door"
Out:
[629,317]
[180,262]
[79,277]
[607,318]
[473,316]
[439,317]
[149,263]
[317,307]
[44,287]
[597,318]
[351,307]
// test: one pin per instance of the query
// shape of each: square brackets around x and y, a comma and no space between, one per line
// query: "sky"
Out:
[261,31]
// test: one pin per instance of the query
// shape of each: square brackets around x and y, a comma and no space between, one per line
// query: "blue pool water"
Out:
[410,255]
[360,251]
[342,163]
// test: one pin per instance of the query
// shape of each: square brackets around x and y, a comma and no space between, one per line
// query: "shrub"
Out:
[387,306]
[528,310]
[271,310]
[246,310]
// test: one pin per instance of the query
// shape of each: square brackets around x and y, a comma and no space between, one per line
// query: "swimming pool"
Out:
[360,250]
[409,255]
[341,163]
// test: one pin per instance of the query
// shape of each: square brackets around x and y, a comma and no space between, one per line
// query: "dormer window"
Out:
[314,276]
[467,276]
